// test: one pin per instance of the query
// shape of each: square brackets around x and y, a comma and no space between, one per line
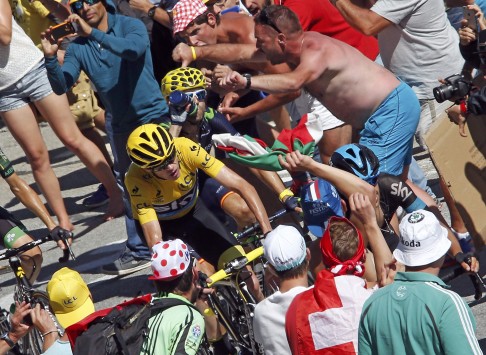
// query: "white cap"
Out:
[422,239]
[170,260]
[284,248]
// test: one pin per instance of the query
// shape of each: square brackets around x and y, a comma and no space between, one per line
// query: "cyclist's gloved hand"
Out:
[178,114]
[292,203]
[61,235]
[468,261]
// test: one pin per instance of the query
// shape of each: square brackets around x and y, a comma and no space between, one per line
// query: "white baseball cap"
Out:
[284,248]
[422,239]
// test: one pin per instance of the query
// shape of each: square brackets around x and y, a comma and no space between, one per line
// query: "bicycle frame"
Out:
[32,342]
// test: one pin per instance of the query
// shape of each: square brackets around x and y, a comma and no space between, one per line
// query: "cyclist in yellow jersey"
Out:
[163,188]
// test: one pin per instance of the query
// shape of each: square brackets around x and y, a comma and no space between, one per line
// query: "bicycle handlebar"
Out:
[235,265]
[8,253]
[256,227]
[453,274]
[476,279]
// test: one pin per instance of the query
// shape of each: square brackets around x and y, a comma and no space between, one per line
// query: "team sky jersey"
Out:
[153,198]
[6,168]
[395,192]
[177,330]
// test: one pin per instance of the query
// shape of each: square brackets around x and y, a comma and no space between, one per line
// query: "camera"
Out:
[456,87]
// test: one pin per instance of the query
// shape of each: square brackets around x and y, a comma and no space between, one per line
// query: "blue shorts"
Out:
[390,130]
[34,86]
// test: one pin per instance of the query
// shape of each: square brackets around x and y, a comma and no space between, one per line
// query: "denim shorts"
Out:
[389,131]
[34,86]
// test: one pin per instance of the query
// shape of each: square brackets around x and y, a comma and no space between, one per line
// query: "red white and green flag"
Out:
[255,153]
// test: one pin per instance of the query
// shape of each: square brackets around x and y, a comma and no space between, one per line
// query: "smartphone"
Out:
[62,30]
[470,16]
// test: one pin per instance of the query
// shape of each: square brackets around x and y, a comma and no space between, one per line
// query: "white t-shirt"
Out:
[269,321]
[421,46]
[18,58]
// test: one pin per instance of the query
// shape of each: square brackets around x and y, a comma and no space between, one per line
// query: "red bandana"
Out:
[352,266]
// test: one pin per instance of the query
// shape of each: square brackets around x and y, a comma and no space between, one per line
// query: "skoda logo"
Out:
[416,217]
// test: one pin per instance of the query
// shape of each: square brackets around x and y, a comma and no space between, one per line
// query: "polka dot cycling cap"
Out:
[169,260]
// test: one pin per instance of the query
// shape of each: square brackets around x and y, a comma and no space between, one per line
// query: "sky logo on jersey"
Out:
[401,190]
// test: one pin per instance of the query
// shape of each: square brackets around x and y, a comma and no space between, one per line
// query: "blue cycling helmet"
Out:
[357,160]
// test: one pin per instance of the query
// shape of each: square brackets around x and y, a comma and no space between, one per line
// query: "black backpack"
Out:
[123,330]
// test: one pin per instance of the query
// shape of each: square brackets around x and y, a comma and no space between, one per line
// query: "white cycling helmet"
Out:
[170,259]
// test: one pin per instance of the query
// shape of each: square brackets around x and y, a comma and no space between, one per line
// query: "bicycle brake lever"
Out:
[68,251]
[476,280]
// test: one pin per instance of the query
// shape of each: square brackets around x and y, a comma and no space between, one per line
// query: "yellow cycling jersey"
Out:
[153,198]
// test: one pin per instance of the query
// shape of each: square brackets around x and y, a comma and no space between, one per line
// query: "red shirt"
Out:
[321,16]
[324,320]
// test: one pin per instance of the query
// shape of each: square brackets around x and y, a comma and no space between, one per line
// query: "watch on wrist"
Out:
[151,12]
[7,339]
[248,80]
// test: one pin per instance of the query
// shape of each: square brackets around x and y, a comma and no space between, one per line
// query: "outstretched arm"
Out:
[364,20]
[223,53]
[345,182]
[232,181]
[362,208]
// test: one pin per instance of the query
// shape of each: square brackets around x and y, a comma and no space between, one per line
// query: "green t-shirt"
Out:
[416,314]
[177,330]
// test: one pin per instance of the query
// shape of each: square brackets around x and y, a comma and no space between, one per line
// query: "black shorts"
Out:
[201,230]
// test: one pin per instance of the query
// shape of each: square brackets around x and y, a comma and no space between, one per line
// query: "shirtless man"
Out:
[240,29]
[200,26]
[353,88]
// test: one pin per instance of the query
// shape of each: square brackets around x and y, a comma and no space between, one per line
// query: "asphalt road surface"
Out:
[97,242]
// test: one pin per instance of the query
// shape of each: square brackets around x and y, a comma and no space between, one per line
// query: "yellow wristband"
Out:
[284,193]
[193,50]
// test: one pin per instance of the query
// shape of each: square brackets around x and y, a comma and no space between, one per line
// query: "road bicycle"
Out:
[31,343]
[232,302]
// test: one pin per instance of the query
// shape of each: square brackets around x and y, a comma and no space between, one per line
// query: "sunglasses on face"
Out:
[265,20]
[200,94]
[78,5]
[165,163]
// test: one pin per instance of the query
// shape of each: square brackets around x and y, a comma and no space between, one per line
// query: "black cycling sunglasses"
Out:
[78,5]
[265,20]
[165,163]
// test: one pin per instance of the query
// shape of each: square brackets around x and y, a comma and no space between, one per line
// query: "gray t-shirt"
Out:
[421,46]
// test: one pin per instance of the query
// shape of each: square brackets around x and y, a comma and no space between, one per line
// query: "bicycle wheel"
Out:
[240,315]
[32,343]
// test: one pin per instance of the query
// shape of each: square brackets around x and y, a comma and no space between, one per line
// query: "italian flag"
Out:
[255,153]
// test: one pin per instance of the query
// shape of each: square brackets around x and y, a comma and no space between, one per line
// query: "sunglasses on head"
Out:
[78,5]
[265,20]
[165,163]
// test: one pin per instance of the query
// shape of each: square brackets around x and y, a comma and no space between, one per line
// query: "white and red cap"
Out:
[184,12]
[169,260]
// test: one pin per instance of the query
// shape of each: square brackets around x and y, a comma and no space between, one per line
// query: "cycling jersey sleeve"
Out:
[6,168]
[395,192]
[138,188]
[198,158]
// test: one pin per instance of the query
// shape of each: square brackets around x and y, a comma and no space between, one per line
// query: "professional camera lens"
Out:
[443,92]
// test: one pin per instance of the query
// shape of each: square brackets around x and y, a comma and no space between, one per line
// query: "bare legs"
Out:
[56,111]
[23,126]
